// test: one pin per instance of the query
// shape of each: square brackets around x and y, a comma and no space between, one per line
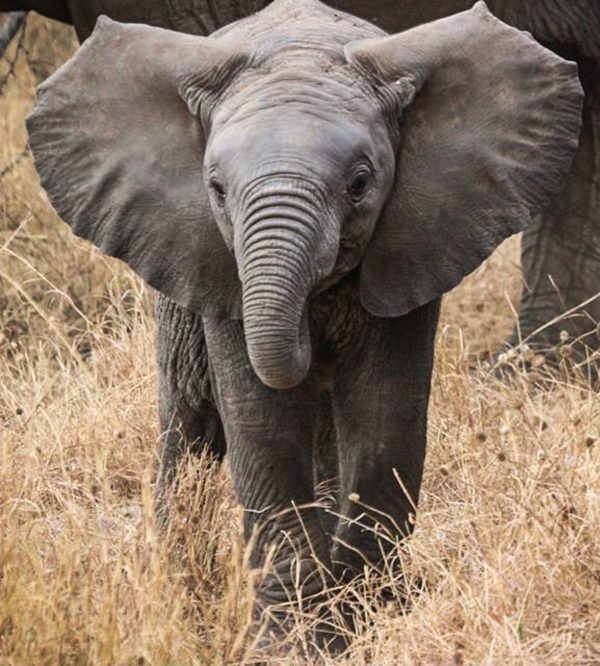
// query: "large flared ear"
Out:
[488,138]
[119,148]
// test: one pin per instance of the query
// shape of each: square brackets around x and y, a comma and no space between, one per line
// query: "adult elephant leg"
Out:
[380,408]
[270,435]
[561,250]
[189,421]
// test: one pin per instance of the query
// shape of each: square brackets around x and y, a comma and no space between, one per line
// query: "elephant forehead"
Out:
[309,84]
[294,134]
[296,22]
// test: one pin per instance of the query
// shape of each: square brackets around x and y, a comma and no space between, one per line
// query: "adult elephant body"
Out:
[198,17]
[301,188]
[572,23]
[561,259]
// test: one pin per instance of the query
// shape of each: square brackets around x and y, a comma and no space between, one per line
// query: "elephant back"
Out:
[196,17]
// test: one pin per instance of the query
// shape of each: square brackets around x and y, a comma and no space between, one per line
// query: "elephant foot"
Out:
[363,596]
[309,631]
[312,650]
[312,619]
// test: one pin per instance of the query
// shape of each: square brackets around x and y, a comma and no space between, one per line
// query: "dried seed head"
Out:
[527,353]
[538,361]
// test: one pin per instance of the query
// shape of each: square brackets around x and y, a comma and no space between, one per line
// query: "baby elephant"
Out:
[301,189]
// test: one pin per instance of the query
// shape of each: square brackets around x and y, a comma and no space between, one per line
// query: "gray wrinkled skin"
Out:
[301,189]
[561,262]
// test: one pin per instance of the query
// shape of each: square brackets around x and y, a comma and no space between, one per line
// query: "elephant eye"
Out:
[359,185]
[218,190]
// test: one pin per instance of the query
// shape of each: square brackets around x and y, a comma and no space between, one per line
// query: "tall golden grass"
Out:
[504,565]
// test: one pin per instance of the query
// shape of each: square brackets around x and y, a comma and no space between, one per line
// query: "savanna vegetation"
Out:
[504,565]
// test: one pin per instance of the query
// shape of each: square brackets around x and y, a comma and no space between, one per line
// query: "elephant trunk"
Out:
[279,242]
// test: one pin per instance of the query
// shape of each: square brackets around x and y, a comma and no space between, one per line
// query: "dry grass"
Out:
[504,566]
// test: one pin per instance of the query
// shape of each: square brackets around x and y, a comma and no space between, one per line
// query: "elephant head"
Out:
[241,173]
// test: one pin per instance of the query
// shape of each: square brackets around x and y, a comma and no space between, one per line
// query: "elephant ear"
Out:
[121,156]
[487,139]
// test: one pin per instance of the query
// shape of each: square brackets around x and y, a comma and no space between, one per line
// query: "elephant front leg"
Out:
[561,250]
[269,436]
[189,421]
[380,407]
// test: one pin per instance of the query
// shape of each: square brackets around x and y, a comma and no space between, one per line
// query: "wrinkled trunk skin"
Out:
[561,249]
[276,250]
[276,328]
